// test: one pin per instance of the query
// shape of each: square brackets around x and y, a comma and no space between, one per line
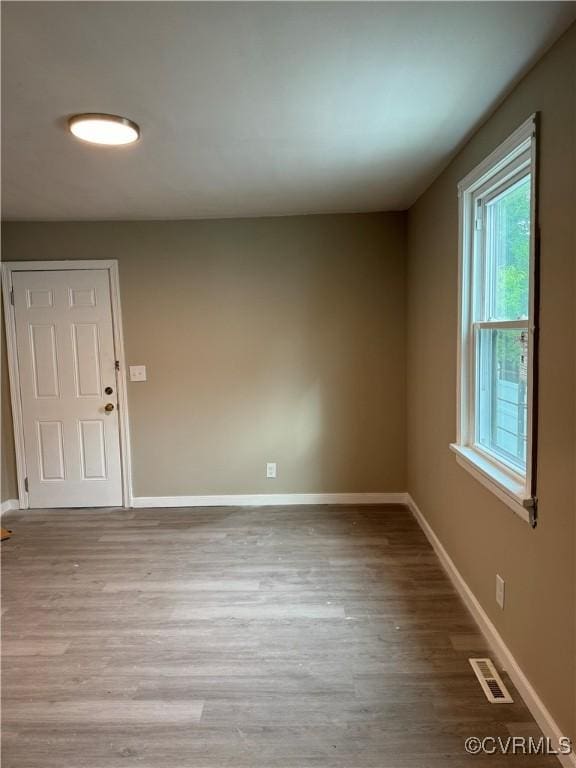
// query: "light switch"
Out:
[137,373]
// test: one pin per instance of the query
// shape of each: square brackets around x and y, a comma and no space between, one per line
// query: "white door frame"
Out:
[8,269]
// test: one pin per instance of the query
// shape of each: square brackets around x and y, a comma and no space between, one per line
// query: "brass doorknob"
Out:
[109,407]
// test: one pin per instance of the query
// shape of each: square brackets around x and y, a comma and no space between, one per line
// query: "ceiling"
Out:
[252,109]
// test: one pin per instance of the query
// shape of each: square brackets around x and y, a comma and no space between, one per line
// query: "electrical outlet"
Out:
[500,589]
[137,373]
[271,470]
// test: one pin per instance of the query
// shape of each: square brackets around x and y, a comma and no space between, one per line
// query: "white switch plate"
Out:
[137,373]
[271,470]
[500,591]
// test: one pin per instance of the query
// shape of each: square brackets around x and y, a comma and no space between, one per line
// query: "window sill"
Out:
[509,490]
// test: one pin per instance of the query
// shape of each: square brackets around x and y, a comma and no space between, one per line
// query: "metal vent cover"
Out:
[491,682]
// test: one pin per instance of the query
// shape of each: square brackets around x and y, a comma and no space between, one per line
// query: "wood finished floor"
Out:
[311,637]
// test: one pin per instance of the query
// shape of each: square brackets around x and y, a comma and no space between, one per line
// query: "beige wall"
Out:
[276,339]
[481,534]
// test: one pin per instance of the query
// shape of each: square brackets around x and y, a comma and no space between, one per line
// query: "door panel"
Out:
[42,297]
[66,358]
[51,450]
[44,362]
[86,345]
[93,450]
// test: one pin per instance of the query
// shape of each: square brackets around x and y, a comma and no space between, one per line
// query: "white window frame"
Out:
[515,155]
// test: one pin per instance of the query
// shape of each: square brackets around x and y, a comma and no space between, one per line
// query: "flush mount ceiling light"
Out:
[110,130]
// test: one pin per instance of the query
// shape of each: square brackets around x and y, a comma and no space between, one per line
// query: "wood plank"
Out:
[300,637]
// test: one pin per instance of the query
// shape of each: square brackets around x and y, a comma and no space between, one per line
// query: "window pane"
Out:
[501,407]
[508,252]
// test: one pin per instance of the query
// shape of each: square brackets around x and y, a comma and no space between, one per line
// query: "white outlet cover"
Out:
[271,470]
[137,373]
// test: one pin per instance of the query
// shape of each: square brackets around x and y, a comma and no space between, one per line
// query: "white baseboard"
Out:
[534,703]
[8,505]
[268,499]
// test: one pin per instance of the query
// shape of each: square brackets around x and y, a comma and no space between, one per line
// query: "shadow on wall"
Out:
[8,477]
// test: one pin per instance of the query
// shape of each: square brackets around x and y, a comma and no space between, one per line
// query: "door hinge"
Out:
[117,364]
[12,296]
[26,484]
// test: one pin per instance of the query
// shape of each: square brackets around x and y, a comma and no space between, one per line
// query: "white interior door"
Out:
[68,387]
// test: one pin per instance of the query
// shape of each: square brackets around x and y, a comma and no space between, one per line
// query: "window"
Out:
[497,321]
